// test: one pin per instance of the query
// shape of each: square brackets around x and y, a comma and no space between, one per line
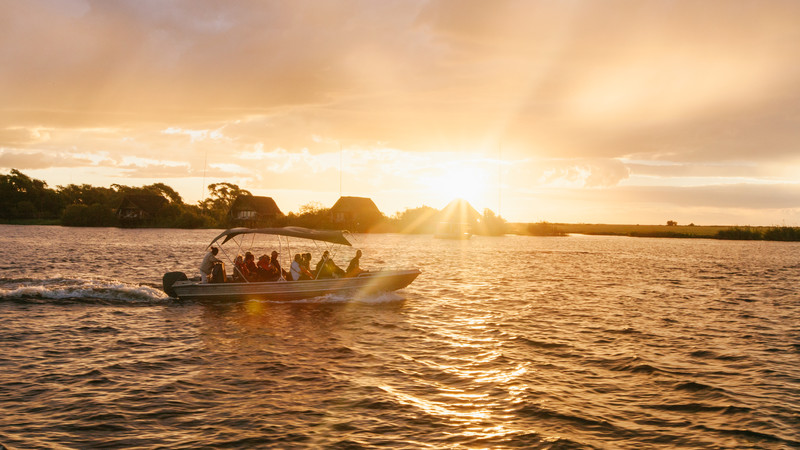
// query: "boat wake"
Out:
[77,290]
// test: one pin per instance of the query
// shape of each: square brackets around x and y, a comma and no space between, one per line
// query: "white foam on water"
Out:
[70,288]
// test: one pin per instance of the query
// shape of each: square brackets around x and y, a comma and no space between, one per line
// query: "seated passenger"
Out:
[353,270]
[294,270]
[326,268]
[320,271]
[264,269]
[305,264]
[250,264]
[298,270]
[239,269]
[281,274]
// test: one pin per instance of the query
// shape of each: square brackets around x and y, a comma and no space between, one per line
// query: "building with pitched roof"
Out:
[139,209]
[355,213]
[254,211]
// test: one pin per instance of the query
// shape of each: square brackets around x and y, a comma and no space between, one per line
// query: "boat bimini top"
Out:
[332,236]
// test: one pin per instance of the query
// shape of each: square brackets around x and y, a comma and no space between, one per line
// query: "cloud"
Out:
[669,170]
[196,135]
[699,80]
[568,79]
[156,171]
[577,93]
[749,196]
[21,136]
[568,172]
[23,160]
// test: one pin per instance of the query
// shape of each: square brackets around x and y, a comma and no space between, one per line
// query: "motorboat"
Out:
[177,284]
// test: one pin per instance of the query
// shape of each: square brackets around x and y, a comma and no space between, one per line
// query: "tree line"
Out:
[25,200]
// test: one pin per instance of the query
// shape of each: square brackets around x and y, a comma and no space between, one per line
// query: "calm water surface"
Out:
[514,342]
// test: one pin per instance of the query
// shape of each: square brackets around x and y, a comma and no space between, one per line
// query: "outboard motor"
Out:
[169,279]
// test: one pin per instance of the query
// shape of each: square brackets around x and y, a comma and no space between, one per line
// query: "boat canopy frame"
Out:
[238,235]
[332,236]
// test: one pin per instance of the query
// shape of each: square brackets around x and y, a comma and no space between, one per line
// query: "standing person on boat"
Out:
[353,270]
[208,263]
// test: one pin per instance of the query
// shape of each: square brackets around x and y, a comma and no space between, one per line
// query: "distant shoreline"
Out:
[694,231]
[725,232]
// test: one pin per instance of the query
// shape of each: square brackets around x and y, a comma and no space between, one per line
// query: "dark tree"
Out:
[22,197]
[491,224]
[221,197]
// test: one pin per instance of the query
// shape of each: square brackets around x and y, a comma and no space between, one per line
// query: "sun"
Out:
[459,181]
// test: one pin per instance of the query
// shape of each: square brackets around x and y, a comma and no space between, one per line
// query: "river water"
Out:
[507,342]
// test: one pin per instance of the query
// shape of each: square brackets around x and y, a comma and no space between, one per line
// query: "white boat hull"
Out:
[367,283]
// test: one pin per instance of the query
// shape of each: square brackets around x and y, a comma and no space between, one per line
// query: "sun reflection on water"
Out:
[467,381]
[434,408]
[459,373]
[254,307]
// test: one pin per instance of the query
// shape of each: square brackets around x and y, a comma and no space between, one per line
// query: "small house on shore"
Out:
[139,209]
[254,211]
[355,213]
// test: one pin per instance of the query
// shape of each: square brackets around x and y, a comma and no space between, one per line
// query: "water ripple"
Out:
[589,342]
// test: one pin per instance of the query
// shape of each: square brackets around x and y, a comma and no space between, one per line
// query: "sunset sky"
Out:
[565,111]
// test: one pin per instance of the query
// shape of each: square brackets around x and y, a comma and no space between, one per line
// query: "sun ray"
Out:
[460,180]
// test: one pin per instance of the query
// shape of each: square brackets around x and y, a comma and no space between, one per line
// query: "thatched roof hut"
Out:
[253,210]
[137,209]
[355,213]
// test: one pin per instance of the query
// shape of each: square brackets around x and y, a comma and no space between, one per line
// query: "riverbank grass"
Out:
[775,233]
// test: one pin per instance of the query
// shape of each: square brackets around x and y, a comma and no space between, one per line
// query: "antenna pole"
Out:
[499,178]
[340,169]
[203,191]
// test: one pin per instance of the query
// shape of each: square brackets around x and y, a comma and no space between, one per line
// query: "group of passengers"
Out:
[266,269]
[247,269]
